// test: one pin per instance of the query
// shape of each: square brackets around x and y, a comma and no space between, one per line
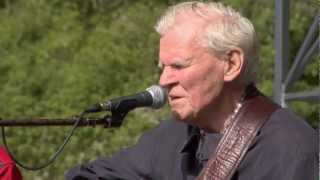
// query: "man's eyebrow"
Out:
[183,62]
[178,62]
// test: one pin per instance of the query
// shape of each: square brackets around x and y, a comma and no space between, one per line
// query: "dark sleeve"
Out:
[131,163]
[286,168]
[286,149]
[303,168]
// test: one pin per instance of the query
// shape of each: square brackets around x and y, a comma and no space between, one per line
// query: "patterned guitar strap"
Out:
[238,136]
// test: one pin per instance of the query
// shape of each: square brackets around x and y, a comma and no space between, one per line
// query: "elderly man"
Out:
[222,127]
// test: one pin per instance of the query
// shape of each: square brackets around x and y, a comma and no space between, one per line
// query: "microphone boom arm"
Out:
[106,121]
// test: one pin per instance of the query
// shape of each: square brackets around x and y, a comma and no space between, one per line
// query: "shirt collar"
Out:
[192,142]
[208,141]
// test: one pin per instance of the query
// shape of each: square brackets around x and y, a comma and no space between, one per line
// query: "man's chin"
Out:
[178,117]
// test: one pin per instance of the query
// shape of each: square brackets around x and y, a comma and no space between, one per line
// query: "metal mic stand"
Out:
[115,120]
[106,122]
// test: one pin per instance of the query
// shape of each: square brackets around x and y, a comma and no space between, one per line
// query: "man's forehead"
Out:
[183,38]
[177,38]
[174,55]
[180,36]
[178,45]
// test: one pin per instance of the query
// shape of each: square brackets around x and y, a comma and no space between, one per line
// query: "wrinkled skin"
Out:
[196,79]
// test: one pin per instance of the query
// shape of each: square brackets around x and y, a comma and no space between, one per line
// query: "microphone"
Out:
[155,97]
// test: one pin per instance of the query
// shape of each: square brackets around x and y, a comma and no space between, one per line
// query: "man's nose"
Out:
[167,77]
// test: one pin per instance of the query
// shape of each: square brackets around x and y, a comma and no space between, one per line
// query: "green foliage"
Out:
[57,57]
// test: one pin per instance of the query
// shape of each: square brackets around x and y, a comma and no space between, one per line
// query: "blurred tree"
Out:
[58,57]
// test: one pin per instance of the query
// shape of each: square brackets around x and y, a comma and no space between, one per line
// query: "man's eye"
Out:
[178,66]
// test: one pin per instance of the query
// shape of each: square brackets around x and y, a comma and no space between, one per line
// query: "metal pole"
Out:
[281,49]
[87,122]
[309,39]
[311,96]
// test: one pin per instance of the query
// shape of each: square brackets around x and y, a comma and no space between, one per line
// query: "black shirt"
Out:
[286,148]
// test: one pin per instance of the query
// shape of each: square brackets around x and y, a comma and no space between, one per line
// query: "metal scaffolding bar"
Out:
[312,96]
[282,48]
[303,54]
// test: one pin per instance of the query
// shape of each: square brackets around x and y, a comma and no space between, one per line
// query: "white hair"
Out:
[233,31]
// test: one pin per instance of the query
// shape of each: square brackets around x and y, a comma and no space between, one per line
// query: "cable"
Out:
[53,157]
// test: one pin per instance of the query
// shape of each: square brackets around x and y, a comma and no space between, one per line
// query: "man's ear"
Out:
[233,64]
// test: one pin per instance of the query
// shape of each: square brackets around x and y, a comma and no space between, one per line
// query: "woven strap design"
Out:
[237,139]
